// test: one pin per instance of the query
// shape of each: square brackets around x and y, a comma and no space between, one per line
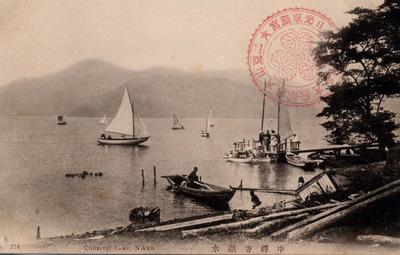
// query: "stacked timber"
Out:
[239,226]
[311,225]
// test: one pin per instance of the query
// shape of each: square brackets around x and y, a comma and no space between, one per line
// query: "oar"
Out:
[203,185]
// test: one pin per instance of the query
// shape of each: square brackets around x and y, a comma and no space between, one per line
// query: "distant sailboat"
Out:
[176,123]
[211,117]
[205,133]
[61,120]
[103,121]
[126,128]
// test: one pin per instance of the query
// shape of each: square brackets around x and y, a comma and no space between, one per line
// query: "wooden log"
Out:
[283,232]
[251,222]
[190,223]
[379,239]
[277,191]
[270,226]
[328,220]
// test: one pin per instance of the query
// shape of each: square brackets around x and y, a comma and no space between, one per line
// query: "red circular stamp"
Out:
[280,51]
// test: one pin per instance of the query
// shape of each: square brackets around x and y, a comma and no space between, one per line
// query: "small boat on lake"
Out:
[295,160]
[206,133]
[61,120]
[127,128]
[176,124]
[103,121]
[211,118]
[206,192]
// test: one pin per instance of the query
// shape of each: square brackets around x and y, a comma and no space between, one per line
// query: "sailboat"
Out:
[61,120]
[211,118]
[127,128]
[176,123]
[103,121]
[205,133]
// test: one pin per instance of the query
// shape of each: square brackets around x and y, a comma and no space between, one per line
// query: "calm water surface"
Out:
[36,154]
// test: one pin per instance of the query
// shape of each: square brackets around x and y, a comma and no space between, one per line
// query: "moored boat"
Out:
[206,192]
[61,120]
[103,121]
[295,160]
[176,124]
[211,118]
[206,133]
[127,128]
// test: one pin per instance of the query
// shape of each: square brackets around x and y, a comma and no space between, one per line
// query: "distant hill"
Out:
[94,88]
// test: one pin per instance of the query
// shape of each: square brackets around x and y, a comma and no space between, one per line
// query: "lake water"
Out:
[36,154]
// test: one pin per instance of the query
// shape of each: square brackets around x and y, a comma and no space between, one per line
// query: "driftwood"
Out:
[327,221]
[283,232]
[379,239]
[269,226]
[251,222]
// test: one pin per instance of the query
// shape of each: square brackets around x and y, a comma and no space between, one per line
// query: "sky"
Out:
[42,36]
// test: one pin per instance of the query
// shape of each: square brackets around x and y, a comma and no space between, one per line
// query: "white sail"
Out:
[211,118]
[285,127]
[123,121]
[176,123]
[103,120]
[140,128]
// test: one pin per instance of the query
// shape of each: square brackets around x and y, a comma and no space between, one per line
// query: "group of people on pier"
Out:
[270,141]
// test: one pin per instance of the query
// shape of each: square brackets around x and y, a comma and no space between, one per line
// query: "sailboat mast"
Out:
[207,125]
[133,113]
[263,107]
[279,105]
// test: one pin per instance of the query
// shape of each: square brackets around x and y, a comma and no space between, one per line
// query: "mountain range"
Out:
[94,87]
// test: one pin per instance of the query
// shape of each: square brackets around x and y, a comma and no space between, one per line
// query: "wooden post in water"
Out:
[241,184]
[38,233]
[142,176]
[155,175]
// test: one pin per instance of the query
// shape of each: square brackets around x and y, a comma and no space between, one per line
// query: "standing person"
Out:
[267,140]
[261,138]
[273,144]
[254,199]
[301,181]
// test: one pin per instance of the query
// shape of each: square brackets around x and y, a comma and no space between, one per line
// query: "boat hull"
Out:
[217,196]
[241,160]
[308,165]
[205,135]
[135,141]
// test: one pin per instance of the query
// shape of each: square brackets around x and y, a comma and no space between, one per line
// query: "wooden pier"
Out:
[338,149]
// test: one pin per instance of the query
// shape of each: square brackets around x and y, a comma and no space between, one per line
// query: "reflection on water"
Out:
[37,153]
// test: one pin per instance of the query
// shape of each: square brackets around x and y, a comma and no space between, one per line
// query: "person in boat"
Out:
[109,137]
[267,140]
[103,136]
[254,199]
[193,178]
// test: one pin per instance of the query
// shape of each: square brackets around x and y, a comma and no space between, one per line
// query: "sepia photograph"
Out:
[200,127]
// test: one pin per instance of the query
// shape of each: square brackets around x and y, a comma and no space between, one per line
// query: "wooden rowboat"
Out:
[296,160]
[206,192]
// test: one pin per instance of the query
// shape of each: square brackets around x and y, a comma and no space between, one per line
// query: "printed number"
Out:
[14,246]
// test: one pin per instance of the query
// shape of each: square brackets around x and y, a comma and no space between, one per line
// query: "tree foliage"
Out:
[366,54]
